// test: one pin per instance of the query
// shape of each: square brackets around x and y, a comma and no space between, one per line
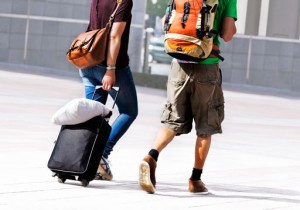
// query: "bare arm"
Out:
[228,29]
[114,44]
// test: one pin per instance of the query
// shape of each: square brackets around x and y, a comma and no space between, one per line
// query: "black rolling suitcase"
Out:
[78,149]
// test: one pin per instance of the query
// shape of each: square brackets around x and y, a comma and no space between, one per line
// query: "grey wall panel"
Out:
[296,50]
[240,45]
[226,48]
[17,26]
[19,7]
[4,41]
[257,62]
[16,56]
[16,41]
[49,28]
[228,56]
[52,9]
[6,6]
[272,48]
[296,66]
[49,44]
[239,76]
[81,12]
[287,49]
[3,54]
[35,57]
[35,42]
[5,24]
[271,63]
[295,84]
[262,78]
[258,47]
[36,27]
[285,64]
[37,8]
[239,60]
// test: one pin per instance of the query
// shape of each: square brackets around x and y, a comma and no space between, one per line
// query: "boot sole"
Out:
[144,178]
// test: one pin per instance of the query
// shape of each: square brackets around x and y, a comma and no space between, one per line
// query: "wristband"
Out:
[110,67]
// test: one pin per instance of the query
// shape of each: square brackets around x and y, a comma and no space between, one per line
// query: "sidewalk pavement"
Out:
[253,165]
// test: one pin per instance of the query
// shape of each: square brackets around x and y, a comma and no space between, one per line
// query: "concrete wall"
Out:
[269,18]
[263,62]
[253,17]
[39,32]
[283,22]
[42,37]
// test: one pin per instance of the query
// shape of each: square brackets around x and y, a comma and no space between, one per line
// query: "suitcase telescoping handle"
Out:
[117,89]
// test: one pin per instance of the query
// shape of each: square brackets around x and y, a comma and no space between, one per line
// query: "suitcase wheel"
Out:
[61,179]
[84,182]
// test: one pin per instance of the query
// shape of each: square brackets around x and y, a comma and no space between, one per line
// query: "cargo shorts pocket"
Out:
[166,113]
[215,114]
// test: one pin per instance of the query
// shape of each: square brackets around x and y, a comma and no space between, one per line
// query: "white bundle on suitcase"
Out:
[78,111]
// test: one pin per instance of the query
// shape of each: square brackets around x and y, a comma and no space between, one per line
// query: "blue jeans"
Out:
[126,100]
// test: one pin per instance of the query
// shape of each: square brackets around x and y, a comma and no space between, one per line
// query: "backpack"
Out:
[189,30]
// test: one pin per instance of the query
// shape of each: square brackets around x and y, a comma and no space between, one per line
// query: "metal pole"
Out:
[146,68]
[249,59]
[27,30]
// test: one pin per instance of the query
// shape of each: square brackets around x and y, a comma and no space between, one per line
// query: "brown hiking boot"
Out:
[147,174]
[197,186]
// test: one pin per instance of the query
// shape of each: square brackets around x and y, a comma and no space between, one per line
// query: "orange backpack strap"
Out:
[215,52]
[170,7]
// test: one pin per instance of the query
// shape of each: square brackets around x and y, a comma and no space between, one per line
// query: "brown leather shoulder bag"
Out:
[89,48]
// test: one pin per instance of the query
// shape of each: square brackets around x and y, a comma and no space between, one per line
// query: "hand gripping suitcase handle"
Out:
[117,89]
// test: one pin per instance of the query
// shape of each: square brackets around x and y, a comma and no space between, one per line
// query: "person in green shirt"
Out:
[194,93]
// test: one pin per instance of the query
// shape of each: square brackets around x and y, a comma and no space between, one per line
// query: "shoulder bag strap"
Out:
[111,19]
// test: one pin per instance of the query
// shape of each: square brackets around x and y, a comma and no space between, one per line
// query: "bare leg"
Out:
[147,167]
[163,138]
[201,151]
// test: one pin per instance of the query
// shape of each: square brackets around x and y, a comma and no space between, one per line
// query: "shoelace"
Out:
[105,162]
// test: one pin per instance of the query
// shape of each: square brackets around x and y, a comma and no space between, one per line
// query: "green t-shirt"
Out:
[226,8]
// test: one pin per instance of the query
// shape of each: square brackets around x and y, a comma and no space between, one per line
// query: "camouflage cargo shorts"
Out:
[194,94]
